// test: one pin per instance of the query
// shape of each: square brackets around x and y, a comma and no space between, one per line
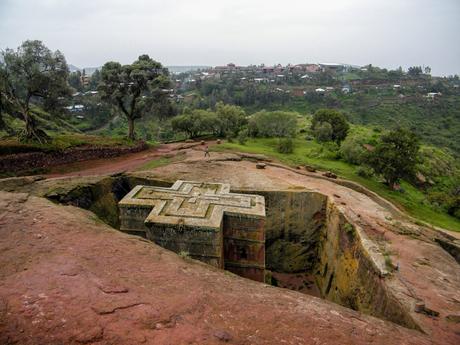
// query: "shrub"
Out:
[364,171]
[285,145]
[337,121]
[323,131]
[229,137]
[273,124]
[243,136]
[184,254]
[352,150]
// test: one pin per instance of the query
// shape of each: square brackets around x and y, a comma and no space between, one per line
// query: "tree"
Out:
[2,96]
[94,80]
[134,88]
[195,123]
[395,155]
[337,121]
[184,123]
[75,81]
[231,118]
[33,74]
[273,124]
[414,71]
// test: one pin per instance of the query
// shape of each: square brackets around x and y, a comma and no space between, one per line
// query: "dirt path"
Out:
[128,162]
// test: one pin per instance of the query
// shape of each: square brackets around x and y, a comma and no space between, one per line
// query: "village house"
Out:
[433,95]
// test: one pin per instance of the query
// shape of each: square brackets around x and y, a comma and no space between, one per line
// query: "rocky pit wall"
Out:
[305,232]
[293,224]
[351,271]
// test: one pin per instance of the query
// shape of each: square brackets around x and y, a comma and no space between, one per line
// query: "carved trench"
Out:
[310,246]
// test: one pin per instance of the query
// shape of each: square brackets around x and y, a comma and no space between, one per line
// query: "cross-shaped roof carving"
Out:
[194,203]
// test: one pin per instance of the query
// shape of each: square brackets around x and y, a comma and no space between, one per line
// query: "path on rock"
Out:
[114,165]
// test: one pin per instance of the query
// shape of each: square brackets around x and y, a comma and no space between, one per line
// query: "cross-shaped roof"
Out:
[194,203]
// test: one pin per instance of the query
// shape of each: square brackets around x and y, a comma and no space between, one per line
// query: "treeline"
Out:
[233,91]
[34,76]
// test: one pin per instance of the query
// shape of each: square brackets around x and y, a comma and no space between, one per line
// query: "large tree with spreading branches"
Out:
[32,74]
[134,89]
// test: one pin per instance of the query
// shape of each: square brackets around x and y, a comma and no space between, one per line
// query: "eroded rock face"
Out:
[348,273]
[68,279]
[293,224]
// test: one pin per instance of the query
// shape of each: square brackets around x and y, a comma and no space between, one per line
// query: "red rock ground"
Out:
[128,162]
[427,273]
[65,278]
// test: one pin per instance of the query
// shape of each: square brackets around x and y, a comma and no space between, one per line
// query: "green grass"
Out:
[159,162]
[413,201]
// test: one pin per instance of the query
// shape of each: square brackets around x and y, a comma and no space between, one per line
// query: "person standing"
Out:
[206,152]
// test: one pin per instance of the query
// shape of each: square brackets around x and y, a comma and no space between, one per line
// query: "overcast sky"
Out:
[386,33]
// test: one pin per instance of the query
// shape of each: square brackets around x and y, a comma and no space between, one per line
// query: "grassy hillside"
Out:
[437,164]
[435,122]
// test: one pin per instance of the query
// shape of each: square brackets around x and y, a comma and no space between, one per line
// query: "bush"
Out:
[352,150]
[335,119]
[229,137]
[273,124]
[243,136]
[364,171]
[285,145]
[323,131]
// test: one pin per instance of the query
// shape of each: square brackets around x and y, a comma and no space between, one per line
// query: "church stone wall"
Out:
[201,220]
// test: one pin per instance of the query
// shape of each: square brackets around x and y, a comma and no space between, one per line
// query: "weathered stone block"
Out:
[204,220]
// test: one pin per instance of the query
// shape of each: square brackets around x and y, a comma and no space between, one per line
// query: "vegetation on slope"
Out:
[412,200]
